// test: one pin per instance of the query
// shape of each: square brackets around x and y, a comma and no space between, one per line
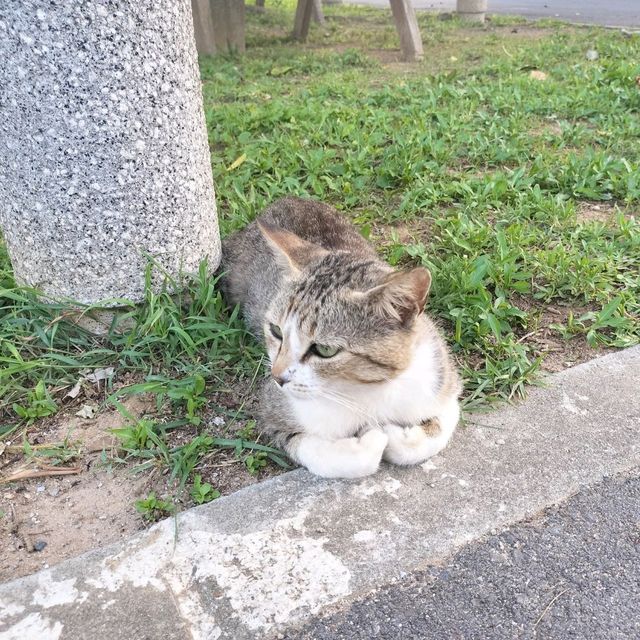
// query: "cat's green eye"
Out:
[276,331]
[323,350]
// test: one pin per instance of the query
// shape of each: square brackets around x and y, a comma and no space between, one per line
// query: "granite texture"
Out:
[103,145]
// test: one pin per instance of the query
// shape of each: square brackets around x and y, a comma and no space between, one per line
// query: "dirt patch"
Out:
[549,127]
[52,519]
[45,520]
[596,212]
[558,353]
[404,233]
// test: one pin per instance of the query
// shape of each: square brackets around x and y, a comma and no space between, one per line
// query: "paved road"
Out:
[573,573]
[620,13]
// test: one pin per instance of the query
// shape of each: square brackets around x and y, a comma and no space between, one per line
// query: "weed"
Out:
[137,436]
[57,453]
[39,404]
[255,462]
[202,492]
[152,508]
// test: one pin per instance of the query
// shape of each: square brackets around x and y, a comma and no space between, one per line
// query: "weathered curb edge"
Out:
[268,556]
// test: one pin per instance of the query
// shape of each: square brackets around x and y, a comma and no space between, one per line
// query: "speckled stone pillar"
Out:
[471,10]
[103,147]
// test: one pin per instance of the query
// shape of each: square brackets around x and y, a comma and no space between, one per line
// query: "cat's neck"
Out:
[408,398]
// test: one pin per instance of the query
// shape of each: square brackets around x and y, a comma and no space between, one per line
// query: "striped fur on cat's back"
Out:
[358,371]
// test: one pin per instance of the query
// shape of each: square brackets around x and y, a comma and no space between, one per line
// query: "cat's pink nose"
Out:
[282,378]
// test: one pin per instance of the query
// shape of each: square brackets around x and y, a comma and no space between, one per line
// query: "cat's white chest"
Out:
[407,399]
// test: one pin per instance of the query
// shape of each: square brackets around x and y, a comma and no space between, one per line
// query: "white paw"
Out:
[367,455]
[410,445]
[405,437]
[375,441]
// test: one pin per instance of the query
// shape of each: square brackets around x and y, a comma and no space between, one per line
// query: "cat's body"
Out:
[358,371]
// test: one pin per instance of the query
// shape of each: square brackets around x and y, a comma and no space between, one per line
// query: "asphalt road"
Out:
[574,572]
[619,13]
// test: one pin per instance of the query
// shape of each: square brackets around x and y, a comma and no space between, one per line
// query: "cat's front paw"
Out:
[368,455]
[375,442]
[411,445]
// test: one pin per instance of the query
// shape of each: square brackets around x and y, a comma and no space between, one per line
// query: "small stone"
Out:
[40,488]
[39,545]
[54,491]
[536,74]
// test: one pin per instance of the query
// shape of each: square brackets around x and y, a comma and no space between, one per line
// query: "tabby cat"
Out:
[358,372]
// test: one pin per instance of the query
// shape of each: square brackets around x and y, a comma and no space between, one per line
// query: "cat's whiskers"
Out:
[347,403]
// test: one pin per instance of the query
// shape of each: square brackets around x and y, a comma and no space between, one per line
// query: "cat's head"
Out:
[339,319]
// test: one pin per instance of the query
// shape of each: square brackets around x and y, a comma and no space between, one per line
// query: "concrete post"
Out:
[103,145]
[472,10]
[317,12]
[407,26]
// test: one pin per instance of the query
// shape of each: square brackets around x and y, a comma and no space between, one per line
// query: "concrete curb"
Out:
[267,557]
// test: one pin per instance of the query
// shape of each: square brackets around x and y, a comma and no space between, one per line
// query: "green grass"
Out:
[491,161]
[478,167]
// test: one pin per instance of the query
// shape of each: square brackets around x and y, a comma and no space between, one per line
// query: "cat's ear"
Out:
[291,252]
[402,295]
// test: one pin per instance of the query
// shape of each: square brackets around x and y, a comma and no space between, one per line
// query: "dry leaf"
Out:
[237,162]
[87,412]
[100,374]
[75,391]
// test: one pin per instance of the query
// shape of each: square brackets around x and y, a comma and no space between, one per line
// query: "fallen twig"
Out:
[548,607]
[44,472]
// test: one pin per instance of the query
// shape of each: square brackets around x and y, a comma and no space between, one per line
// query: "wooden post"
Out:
[318,14]
[203,27]
[407,25]
[302,19]
[228,25]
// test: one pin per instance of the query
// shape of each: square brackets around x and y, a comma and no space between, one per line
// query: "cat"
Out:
[358,372]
